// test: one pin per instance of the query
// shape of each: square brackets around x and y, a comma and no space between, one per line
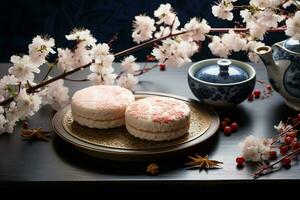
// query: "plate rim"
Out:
[129,154]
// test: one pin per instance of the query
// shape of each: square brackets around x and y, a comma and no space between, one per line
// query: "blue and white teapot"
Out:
[282,61]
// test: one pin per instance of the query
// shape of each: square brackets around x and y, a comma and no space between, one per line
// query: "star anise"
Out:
[152,169]
[203,162]
[35,134]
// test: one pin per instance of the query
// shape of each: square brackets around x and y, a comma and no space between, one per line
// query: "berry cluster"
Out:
[285,146]
[258,94]
[228,126]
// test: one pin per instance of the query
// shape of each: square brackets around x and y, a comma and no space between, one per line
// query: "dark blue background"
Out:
[21,20]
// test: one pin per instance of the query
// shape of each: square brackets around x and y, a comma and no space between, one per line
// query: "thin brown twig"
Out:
[259,172]
[284,132]
[144,70]
[76,80]
[113,39]
[223,30]
[48,72]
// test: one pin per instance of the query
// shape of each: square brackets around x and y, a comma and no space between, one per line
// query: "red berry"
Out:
[286,162]
[288,139]
[295,145]
[150,58]
[283,149]
[292,134]
[269,87]
[250,97]
[162,67]
[240,160]
[256,93]
[227,130]
[223,124]
[272,154]
[227,120]
[295,120]
[234,126]
[25,125]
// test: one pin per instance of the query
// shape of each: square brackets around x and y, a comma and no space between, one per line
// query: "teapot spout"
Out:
[265,54]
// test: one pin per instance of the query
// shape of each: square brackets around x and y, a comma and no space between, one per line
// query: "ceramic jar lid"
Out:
[222,72]
[292,45]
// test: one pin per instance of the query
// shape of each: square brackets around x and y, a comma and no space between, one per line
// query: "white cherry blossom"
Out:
[251,46]
[40,48]
[175,52]
[196,30]
[83,53]
[246,15]
[82,35]
[127,81]
[257,31]
[218,48]
[55,94]
[165,14]
[27,104]
[23,69]
[282,127]
[234,41]
[255,149]
[129,65]
[269,18]
[293,26]
[223,10]
[102,79]
[65,59]
[143,28]
[5,81]
[103,60]
[266,3]
[3,121]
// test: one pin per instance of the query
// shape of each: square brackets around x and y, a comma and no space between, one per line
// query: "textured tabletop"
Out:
[55,162]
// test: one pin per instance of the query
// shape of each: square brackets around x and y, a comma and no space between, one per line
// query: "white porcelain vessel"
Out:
[282,61]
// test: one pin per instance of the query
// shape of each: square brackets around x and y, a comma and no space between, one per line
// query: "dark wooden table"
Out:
[56,164]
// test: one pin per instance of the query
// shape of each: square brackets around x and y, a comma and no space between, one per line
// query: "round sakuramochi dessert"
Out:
[157,118]
[101,106]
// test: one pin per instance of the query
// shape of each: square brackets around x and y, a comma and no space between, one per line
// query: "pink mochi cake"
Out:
[157,118]
[101,106]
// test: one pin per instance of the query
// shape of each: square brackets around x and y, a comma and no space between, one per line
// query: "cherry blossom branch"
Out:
[146,44]
[145,69]
[284,132]
[113,39]
[47,82]
[118,54]
[260,172]
[223,30]
[76,80]
[48,72]
[241,7]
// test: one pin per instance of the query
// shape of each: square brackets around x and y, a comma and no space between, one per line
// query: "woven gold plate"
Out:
[118,144]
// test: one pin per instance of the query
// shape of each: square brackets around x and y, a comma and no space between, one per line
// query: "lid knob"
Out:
[224,65]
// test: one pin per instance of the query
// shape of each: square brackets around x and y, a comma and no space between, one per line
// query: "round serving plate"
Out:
[118,144]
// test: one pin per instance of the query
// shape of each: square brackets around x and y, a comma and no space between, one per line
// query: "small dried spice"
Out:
[35,134]
[152,169]
[203,162]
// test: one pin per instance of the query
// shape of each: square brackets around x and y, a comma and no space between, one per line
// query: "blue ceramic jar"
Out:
[221,82]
